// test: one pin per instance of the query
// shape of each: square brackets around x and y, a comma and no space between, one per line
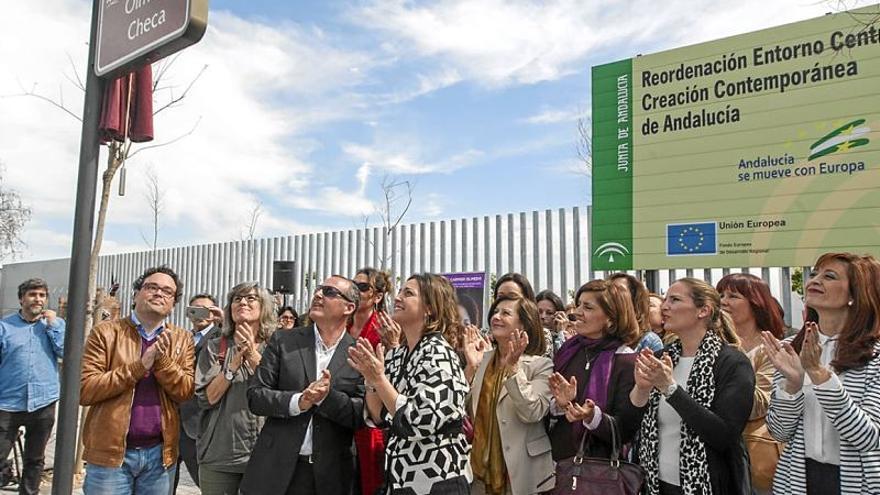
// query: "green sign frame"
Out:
[755,150]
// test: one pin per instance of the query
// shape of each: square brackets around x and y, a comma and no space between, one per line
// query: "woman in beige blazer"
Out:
[509,398]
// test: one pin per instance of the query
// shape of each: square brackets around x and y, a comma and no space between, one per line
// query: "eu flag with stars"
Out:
[691,238]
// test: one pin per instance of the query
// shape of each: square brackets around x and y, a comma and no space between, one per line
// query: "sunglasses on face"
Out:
[331,292]
[363,286]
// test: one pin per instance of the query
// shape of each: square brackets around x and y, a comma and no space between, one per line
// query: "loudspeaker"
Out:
[283,276]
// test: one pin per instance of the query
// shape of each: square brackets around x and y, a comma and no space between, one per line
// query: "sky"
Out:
[302,109]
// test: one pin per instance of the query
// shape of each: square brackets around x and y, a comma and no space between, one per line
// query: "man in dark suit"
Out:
[203,330]
[313,399]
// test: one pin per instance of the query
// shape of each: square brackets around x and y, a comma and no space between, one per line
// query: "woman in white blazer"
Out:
[509,398]
[825,402]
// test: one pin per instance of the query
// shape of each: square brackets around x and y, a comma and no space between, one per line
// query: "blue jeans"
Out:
[141,473]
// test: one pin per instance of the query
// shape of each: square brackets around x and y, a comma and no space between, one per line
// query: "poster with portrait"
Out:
[470,288]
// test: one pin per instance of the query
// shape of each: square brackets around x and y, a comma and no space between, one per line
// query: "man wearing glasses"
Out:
[135,372]
[313,401]
[203,330]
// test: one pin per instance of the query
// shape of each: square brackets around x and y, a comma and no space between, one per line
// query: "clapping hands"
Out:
[315,392]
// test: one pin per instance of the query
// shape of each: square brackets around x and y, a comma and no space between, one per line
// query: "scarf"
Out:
[693,466]
[599,367]
[487,459]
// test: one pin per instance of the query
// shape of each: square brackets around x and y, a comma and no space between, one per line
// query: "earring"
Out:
[850,303]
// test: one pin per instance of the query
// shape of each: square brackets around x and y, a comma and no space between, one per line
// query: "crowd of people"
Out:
[700,387]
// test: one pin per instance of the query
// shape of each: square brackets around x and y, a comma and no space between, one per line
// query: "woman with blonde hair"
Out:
[509,398]
[699,393]
[825,402]
[594,374]
[228,430]
[419,390]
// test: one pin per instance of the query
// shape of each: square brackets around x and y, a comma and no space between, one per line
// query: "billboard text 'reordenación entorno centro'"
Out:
[755,150]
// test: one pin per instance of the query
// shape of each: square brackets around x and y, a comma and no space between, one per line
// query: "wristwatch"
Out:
[670,390]
[230,375]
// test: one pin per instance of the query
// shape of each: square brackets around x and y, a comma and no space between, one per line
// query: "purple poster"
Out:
[470,288]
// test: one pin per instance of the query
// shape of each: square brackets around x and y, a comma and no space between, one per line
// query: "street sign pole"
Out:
[83,229]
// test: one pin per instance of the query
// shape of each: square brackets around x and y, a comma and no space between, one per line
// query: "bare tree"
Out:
[13,217]
[253,219]
[247,234]
[155,196]
[118,154]
[584,144]
[392,207]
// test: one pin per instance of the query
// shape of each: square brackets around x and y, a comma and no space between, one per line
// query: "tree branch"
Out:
[177,100]
[159,145]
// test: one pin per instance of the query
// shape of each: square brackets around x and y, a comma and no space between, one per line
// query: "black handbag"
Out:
[582,475]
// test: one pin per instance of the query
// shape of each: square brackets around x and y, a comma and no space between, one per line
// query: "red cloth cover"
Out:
[112,125]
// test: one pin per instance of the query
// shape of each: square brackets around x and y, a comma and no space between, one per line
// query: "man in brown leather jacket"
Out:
[136,370]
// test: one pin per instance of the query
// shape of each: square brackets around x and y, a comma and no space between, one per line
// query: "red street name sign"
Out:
[132,33]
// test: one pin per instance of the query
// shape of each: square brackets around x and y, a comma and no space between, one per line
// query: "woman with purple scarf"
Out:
[594,373]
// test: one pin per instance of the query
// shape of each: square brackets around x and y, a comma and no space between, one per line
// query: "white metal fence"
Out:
[550,247]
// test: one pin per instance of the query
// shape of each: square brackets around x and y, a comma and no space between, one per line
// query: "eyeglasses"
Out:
[363,286]
[166,292]
[331,292]
[245,299]
[287,318]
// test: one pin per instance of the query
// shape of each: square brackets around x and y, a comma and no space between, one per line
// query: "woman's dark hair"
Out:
[855,344]
[527,311]
[640,298]
[549,295]
[286,309]
[756,291]
[178,284]
[520,280]
[380,281]
[616,303]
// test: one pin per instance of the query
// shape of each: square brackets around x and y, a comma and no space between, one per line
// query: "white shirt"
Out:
[821,440]
[200,334]
[323,355]
[669,426]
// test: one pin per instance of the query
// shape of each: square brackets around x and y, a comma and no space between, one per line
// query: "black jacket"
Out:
[720,426]
[628,416]
[288,367]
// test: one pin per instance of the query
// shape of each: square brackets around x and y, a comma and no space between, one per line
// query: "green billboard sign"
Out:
[755,150]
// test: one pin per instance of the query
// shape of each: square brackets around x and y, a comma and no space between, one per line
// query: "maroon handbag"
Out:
[582,475]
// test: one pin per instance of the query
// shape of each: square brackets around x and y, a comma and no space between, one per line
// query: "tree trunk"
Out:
[115,159]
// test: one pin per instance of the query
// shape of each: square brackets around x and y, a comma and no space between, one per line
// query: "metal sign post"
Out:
[83,229]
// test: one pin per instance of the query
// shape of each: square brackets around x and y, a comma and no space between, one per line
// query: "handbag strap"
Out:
[616,445]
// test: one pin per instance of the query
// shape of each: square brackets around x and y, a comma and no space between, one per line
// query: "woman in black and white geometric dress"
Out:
[419,389]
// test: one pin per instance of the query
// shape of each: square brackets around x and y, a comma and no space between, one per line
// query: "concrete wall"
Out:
[54,272]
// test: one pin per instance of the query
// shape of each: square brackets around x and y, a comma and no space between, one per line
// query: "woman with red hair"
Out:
[826,403]
[748,301]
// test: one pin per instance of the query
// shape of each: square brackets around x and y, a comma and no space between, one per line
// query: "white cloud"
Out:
[265,87]
[398,158]
[504,42]
[553,116]
[432,205]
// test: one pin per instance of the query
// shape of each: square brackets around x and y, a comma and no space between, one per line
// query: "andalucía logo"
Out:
[610,249]
[843,138]
[691,238]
